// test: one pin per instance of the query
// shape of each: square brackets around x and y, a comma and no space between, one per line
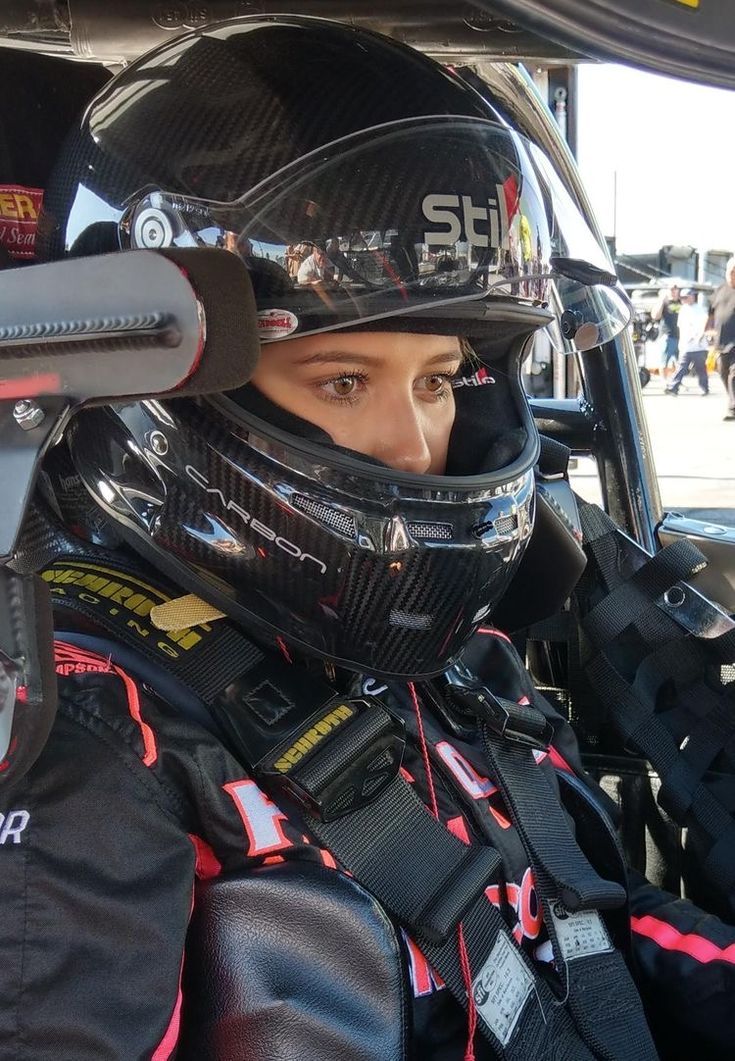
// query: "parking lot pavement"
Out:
[693,448]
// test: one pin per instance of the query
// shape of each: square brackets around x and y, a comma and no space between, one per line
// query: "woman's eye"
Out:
[344,386]
[436,383]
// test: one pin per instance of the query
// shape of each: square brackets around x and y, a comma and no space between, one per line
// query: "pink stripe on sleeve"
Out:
[167,1046]
[669,938]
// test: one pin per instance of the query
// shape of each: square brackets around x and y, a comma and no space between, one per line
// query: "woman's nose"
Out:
[402,438]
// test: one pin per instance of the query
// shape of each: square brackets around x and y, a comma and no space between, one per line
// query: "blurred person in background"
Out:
[722,322]
[667,312]
[316,268]
[692,324]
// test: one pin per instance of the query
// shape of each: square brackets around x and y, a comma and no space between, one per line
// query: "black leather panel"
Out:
[290,963]
[551,566]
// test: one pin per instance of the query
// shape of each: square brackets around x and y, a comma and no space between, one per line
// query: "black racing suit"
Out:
[132,802]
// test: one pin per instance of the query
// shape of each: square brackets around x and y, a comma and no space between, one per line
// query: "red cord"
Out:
[471,1009]
[433,807]
[463,956]
[284,649]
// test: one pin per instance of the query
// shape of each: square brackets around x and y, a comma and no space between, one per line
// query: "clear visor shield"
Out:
[412,217]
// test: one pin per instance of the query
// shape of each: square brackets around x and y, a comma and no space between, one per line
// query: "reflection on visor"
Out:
[415,214]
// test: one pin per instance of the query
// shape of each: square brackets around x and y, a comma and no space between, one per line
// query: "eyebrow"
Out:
[336,357]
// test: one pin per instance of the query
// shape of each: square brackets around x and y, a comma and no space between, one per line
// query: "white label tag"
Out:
[579,933]
[501,988]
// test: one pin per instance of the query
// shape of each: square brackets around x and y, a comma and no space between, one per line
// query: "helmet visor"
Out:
[410,216]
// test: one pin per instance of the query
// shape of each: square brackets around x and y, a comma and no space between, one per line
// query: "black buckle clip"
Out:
[340,760]
[522,724]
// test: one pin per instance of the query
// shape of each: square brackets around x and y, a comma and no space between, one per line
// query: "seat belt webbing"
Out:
[601,994]
[382,845]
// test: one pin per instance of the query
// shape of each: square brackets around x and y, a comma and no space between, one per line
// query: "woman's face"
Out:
[385,394]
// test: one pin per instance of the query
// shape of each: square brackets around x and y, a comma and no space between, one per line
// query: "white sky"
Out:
[672,144]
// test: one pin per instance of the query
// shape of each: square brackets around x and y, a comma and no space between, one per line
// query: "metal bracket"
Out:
[24,438]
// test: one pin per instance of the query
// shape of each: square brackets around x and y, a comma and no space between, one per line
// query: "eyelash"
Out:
[362,377]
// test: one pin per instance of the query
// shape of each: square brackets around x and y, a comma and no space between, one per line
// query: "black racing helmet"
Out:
[365,187]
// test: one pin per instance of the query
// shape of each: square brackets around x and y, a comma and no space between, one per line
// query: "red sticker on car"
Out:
[19,210]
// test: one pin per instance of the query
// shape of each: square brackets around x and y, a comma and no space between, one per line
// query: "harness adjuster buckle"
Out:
[340,760]
[522,724]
